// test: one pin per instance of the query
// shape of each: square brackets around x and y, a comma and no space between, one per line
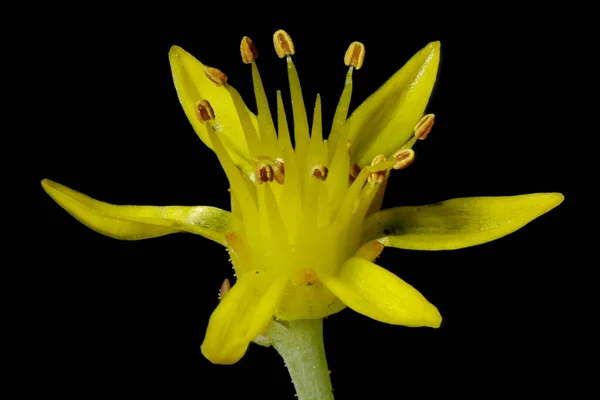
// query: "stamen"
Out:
[377,176]
[248,50]
[266,129]
[204,111]
[319,171]
[424,126]
[403,158]
[216,75]
[354,58]
[279,171]
[263,172]
[355,55]
[284,46]
[224,289]
[354,168]
[301,135]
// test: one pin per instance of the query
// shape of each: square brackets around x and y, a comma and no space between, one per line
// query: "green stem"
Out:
[300,343]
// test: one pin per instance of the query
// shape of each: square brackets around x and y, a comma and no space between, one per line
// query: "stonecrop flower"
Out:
[305,224]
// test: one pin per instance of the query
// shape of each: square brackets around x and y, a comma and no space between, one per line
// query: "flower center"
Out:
[300,211]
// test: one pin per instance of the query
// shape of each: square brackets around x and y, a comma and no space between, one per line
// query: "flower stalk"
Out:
[300,344]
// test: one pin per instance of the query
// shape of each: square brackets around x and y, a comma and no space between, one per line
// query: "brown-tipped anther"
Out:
[404,158]
[355,55]
[204,111]
[215,75]
[377,176]
[264,173]
[424,126]
[224,289]
[248,50]
[279,171]
[319,171]
[284,46]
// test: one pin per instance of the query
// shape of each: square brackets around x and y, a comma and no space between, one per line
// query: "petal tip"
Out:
[436,319]
[48,185]
[552,200]
[175,51]
[220,357]
[436,45]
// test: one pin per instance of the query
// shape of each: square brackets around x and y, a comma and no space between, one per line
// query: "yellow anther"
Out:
[355,55]
[248,50]
[424,126]
[215,75]
[404,158]
[204,111]
[284,46]
[377,176]
[319,171]
[224,289]
[279,171]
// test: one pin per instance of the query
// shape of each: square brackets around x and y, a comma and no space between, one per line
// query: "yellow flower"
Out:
[305,226]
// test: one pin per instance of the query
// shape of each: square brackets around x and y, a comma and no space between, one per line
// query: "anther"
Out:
[354,168]
[319,171]
[224,289]
[355,55]
[424,126]
[215,75]
[283,44]
[377,176]
[264,173]
[279,171]
[248,50]
[404,158]
[204,111]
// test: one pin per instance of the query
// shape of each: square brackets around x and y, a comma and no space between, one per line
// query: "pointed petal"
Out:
[140,222]
[386,120]
[377,293]
[192,85]
[242,315]
[457,223]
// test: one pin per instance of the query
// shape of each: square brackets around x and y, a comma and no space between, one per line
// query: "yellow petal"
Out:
[140,222]
[242,315]
[192,85]
[386,120]
[377,293]
[457,223]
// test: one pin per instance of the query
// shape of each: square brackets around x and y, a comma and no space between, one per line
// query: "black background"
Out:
[127,318]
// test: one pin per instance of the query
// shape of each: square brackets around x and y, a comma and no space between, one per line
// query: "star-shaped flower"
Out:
[305,224]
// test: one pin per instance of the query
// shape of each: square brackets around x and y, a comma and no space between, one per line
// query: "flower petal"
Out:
[241,316]
[386,120]
[457,223]
[192,85]
[377,293]
[140,222]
